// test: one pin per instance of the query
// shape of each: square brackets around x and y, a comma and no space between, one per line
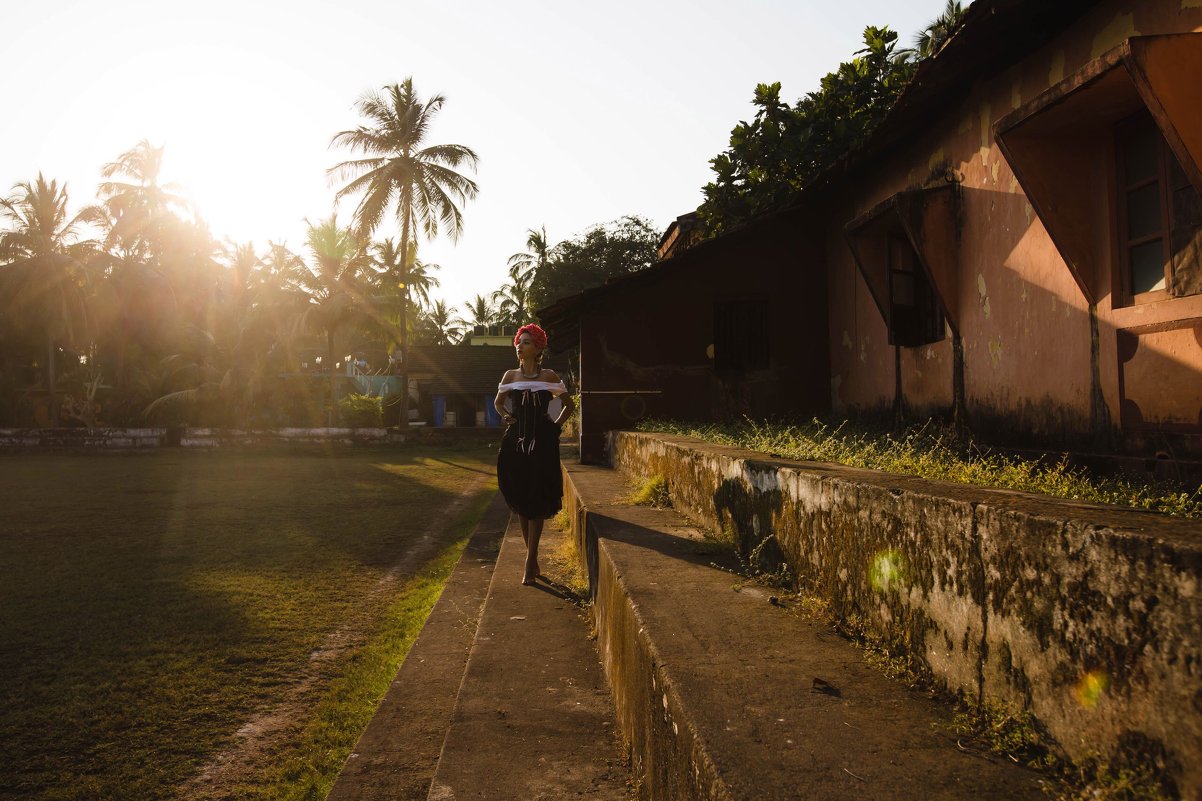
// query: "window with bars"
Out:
[915,316]
[1160,217]
[741,335]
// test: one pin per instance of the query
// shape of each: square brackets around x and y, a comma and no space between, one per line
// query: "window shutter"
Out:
[1186,233]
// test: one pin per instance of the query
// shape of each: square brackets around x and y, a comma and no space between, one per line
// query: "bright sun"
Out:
[227,144]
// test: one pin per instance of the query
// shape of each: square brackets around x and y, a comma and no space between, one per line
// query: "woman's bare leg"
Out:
[536,532]
[525,521]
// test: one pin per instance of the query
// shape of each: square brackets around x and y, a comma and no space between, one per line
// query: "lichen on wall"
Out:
[1088,617]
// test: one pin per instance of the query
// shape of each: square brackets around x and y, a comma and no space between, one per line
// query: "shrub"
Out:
[360,411]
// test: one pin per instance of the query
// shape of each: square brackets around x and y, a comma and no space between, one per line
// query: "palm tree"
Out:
[534,257]
[243,265]
[47,276]
[931,39]
[441,325]
[404,282]
[513,298]
[139,204]
[280,265]
[422,280]
[422,182]
[481,311]
[336,293]
[281,301]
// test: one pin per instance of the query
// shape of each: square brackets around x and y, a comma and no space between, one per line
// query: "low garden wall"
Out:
[1089,617]
[121,439]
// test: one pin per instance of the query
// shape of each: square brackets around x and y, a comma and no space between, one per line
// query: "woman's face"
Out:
[526,348]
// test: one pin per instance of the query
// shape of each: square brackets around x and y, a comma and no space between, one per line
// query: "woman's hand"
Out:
[508,419]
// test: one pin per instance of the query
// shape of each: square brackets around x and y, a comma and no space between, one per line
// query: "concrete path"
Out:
[534,719]
[395,758]
[724,694]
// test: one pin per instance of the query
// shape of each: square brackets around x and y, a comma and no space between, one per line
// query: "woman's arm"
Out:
[499,401]
[569,406]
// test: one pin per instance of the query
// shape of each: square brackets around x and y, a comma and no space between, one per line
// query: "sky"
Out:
[580,112]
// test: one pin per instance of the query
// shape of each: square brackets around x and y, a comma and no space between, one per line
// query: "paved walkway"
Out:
[535,719]
[496,700]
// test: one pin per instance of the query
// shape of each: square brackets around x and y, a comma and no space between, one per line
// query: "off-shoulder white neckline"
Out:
[556,388]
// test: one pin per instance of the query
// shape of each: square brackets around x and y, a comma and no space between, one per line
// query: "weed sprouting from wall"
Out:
[653,491]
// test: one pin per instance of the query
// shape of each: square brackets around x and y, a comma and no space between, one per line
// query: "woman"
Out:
[528,464]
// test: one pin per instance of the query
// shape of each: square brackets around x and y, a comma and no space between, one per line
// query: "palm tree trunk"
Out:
[406,202]
[333,376]
[51,384]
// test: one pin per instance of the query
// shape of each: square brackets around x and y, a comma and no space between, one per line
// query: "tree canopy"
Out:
[784,148]
[592,258]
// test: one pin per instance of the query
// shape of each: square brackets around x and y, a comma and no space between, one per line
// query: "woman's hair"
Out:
[537,335]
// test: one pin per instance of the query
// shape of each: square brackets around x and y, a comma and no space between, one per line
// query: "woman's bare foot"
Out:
[531,575]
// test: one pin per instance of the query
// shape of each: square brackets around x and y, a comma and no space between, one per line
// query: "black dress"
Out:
[528,463]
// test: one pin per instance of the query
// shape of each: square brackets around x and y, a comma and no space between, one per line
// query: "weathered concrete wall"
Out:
[20,439]
[17,439]
[1088,616]
[218,437]
[667,759]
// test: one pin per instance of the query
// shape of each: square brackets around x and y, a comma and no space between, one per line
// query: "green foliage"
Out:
[360,411]
[1100,780]
[757,563]
[784,148]
[931,39]
[1000,730]
[602,252]
[929,451]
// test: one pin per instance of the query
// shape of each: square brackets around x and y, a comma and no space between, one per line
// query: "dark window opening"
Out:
[915,315]
[1159,216]
[741,335]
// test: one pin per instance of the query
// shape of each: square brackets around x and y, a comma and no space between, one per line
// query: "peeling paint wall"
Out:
[1089,617]
[1025,323]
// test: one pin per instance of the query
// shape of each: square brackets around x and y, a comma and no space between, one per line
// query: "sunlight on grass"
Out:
[351,700]
[155,602]
[565,560]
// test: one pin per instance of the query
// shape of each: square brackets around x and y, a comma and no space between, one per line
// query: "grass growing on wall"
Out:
[932,451]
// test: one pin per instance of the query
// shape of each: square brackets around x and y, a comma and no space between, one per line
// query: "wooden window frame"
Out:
[745,326]
[923,301]
[1124,131]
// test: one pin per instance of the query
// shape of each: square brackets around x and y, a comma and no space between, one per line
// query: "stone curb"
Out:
[396,756]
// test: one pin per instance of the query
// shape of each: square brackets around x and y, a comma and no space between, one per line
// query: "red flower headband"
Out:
[537,335]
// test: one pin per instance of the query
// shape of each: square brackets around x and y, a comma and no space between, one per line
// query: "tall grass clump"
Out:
[651,491]
[933,451]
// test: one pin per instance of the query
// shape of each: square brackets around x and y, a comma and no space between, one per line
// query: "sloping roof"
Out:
[464,369]
[560,318]
[993,35]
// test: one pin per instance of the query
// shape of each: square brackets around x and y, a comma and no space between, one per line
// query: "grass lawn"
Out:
[152,604]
